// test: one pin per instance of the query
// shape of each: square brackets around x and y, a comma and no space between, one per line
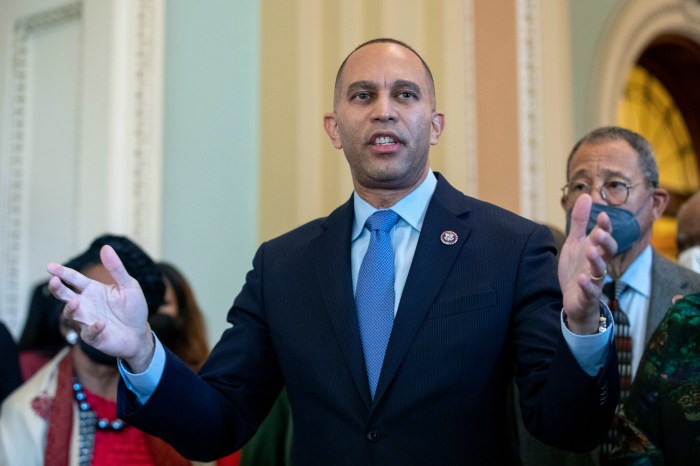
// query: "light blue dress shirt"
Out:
[589,350]
[635,301]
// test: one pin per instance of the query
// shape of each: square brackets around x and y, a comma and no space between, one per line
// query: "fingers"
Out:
[60,290]
[603,222]
[603,242]
[70,276]
[590,288]
[91,333]
[601,237]
[579,216]
[114,266]
[597,268]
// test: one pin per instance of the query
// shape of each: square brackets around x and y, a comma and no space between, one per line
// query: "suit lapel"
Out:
[667,280]
[333,270]
[431,264]
[661,292]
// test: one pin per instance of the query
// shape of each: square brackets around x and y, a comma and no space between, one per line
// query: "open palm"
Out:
[112,318]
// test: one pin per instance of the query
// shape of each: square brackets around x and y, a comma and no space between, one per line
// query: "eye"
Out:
[407,95]
[615,184]
[362,96]
[579,187]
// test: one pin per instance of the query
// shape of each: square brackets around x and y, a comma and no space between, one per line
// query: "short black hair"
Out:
[136,262]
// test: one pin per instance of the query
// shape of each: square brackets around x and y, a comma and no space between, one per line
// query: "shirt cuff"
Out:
[144,384]
[590,351]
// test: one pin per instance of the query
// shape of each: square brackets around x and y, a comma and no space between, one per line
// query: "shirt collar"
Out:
[638,274]
[411,208]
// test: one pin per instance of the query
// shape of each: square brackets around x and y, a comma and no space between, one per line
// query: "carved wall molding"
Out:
[14,172]
[530,108]
[129,141]
[147,125]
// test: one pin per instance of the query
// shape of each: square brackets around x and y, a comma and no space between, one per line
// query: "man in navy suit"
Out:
[477,301]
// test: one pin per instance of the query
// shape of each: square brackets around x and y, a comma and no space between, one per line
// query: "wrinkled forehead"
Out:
[604,159]
[383,64]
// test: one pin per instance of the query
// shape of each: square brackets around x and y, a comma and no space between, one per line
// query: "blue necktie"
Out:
[374,294]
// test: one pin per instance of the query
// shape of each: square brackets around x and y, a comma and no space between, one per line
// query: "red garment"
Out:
[60,417]
[31,361]
[129,446]
[234,459]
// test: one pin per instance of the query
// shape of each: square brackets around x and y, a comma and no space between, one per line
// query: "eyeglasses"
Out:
[614,192]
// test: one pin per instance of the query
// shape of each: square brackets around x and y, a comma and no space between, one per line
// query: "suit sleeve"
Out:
[561,404]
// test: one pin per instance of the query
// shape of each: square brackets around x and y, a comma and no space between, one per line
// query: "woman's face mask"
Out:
[690,258]
[625,227]
[96,355]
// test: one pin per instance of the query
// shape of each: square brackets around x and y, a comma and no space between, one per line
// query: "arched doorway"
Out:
[648,59]
[661,101]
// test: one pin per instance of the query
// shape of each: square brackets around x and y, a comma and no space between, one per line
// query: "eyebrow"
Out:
[410,85]
[370,85]
[360,86]
[583,173]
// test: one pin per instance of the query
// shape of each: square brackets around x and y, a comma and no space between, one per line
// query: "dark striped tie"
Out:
[623,344]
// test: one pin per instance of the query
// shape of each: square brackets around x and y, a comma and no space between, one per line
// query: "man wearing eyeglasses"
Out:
[617,168]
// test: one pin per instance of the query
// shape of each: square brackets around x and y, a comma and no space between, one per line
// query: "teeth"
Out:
[384,140]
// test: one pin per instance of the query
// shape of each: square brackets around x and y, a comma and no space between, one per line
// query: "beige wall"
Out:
[496,68]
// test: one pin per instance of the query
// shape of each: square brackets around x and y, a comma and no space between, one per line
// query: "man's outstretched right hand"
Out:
[112,318]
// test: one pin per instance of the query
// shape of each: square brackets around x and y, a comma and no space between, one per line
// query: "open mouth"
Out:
[385,142]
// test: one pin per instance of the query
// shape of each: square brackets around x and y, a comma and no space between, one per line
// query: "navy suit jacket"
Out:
[472,315]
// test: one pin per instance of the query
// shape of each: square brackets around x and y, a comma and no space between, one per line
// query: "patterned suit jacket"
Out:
[660,421]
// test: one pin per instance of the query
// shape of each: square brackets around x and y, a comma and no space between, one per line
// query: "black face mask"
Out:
[96,355]
[168,329]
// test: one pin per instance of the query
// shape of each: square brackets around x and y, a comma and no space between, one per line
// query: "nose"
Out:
[384,109]
[596,195]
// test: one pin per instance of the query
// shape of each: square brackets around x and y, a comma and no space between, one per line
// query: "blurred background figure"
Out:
[41,337]
[10,376]
[272,443]
[688,233]
[66,412]
[179,322]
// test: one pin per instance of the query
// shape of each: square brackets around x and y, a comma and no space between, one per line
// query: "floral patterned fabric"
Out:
[660,422]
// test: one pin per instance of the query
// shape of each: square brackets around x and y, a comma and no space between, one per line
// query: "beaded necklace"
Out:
[115,425]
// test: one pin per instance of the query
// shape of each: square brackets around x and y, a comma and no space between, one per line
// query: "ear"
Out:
[330,124]
[661,198]
[564,203]
[437,125]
